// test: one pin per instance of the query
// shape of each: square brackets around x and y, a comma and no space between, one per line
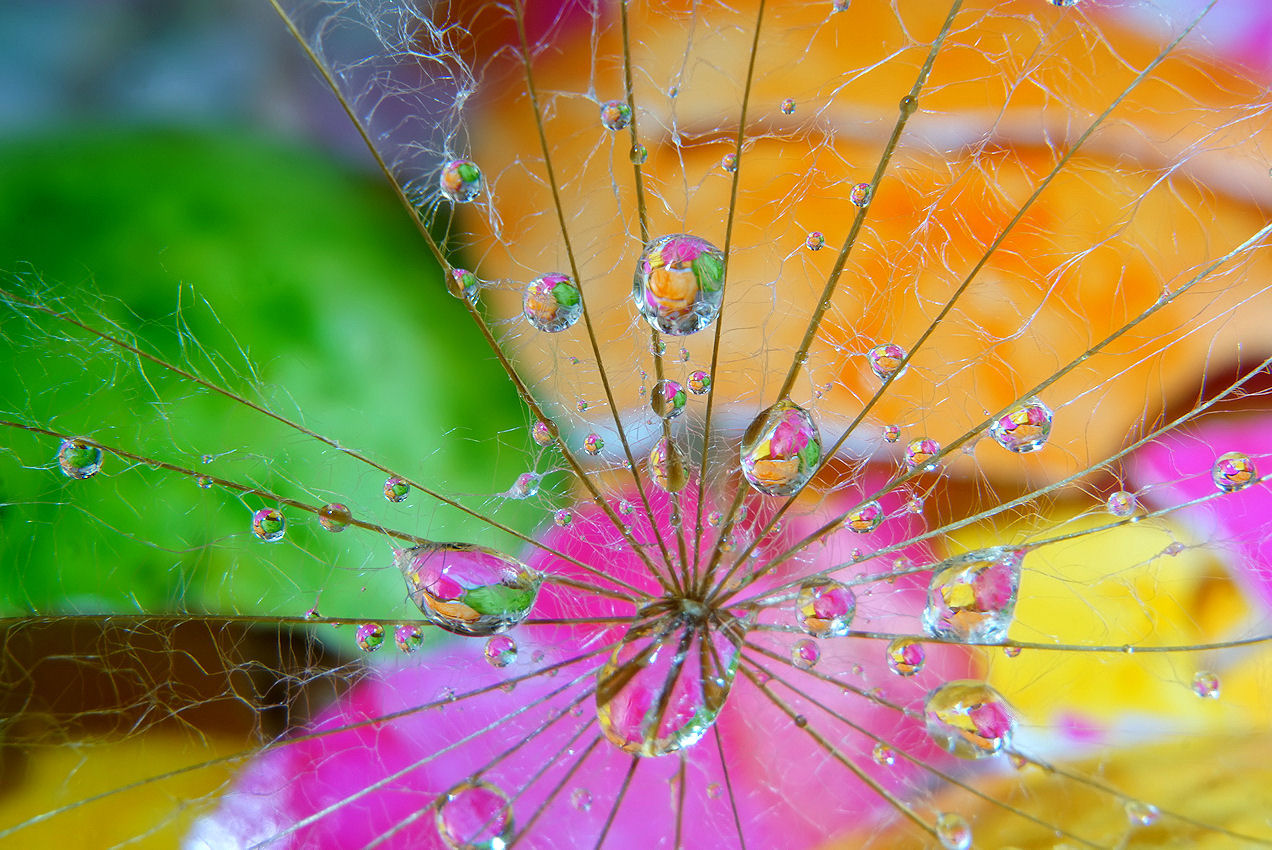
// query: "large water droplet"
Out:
[269,525]
[467,589]
[474,816]
[665,684]
[1233,471]
[615,115]
[679,284]
[865,518]
[460,180]
[1024,428]
[540,432]
[973,597]
[667,466]
[79,458]
[369,637]
[826,608]
[780,449]
[969,719]
[668,399]
[552,302]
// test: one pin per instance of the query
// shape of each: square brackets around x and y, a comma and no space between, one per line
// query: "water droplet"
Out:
[78,458]
[1206,685]
[919,452]
[885,359]
[714,790]
[679,284]
[861,194]
[969,719]
[552,302]
[638,154]
[369,636]
[906,656]
[684,354]
[780,450]
[203,481]
[592,444]
[540,433]
[206,458]
[1024,428]
[468,589]
[665,684]
[395,489]
[563,518]
[526,486]
[1140,813]
[914,505]
[463,284]
[788,106]
[729,162]
[581,799]
[715,518]
[891,433]
[1233,471]
[667,466]
[1121,503]
[908,105]
[1011,651]
[1173,549]
[460,180]
[334,517]
[865,518]
[973,597]
[615,115]
[699,382]
[474,816]
[1064,4]
[501,651]
[668,399]
[269,525]
[883,755]
[826,608]
[408,638]
[953,831]
[805,654]
[815,241]
[626,508]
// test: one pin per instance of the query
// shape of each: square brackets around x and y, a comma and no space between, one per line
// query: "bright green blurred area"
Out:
[225,254]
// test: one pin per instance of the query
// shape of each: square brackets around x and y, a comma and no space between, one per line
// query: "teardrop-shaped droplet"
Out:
[668,399]
[679,284]
[973,597]
[953,831]
[885,359]
[460,180]
[474,816]
[865,518]
[969,719]
[463,285]
[334,517]
[1140,813]
[269,525]
[552,302]
[919,454]
[1024,428]
[665,684]
[369,637]
[467,589]
[781,449]
[541,433]
[78,458]
[906,656]
[1233,471]
[667,466]
[826,608]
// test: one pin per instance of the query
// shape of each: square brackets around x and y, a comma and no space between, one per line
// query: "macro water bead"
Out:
[592,444]
[552,302]
[815,241]
[953,831]
[369,637]
[667,467]
[408,638]
[861,194]
[780,450]
[729,162]
[463,284]
[1023,429]
[79,458]
[885,359]
[460,180]
[334,517]
[788,106]
[474,816]
[969,719]
[638,154]
[679,284]
[1121,504]
[699,382]
[615,115]
[540,433]
[906,656]
[1233,471]
[500,651]
[825,608]
[805,654]
[395,489]
[865,518]
[973,597]
[919,454]
[467,589]
[668,399]
[269,524]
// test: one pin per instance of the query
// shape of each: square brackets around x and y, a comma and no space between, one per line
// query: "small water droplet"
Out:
[906,656]
[408,638]
[463,284]
[269,525]
[501,651]
[781,450]
[865,518]
[581,406]
[973,597]
[684,354]
[203,481]
[788,106]
[1024,428]
[668,399]
[615,115]
[1011,651]
[1206,685]
[626,508]
[919,454]
[474,816]
[805,654]
[861,194]
[679,284]
[667,466]
[883,755]
[78,458]
[885,359]
[699,382]
[826,608]
[1140,813]
[1064,4]
[540,433]
[552,302]
[1173,549]
[908,105]
[914,505]
[563,518]
[714,790]
[729,162]
[1233,471]
[953,831]
[369,636]
[891,433]
[1121,504]
[714,518]
[466,589]
[334,517]
[638,154]
[526,486]
[460,181]
[969,719]
[395,489]
[581,799]
[815,241]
